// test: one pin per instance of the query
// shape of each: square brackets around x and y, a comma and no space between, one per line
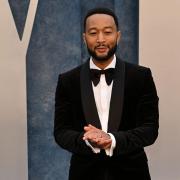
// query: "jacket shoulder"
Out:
[71,72]
[70,76]
[136,70]
[136,67]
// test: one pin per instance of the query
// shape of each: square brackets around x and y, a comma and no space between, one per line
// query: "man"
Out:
[106,110]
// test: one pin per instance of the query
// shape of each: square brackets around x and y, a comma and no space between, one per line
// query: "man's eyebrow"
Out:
[92,28]
[95,28]
[108,27]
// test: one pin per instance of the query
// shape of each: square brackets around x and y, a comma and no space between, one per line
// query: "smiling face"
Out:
[101,37]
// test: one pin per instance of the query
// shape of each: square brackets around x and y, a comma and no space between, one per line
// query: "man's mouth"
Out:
[101,49]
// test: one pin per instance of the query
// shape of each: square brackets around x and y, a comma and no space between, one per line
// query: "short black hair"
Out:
[101,11]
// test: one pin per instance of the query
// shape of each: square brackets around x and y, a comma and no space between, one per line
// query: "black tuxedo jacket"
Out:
[133,120]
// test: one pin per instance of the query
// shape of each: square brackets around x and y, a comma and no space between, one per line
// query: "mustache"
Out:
[101,46]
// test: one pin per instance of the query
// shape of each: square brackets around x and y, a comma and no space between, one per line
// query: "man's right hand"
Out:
[96,137]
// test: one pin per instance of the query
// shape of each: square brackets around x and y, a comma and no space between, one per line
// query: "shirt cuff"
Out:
[95,150]
[109,151]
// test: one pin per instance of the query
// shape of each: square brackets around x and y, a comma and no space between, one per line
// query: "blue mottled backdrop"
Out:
[56,46]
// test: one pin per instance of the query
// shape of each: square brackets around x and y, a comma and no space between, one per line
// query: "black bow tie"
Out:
[96,74]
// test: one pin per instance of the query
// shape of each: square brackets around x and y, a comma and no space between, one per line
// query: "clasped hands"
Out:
[96,137]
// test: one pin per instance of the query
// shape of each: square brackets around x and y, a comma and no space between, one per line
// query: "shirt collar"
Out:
[111,65]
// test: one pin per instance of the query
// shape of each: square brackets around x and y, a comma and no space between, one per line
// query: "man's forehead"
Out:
[100,15]
[97,18]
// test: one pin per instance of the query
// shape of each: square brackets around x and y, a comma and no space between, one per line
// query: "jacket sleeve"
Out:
[147,121]
[65,134]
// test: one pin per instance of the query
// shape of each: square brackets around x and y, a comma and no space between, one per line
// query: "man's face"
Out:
[101,36]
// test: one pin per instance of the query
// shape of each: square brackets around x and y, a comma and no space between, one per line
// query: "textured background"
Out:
[56,46]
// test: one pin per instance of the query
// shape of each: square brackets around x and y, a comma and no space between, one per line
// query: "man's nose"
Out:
[100,37]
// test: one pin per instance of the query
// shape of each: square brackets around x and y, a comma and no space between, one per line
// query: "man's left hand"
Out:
[96,137]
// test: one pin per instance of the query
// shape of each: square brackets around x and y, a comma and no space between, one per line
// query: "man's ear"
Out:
[118,37]
[84,38]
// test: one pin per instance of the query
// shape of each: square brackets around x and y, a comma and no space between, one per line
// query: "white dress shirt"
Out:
[102,95]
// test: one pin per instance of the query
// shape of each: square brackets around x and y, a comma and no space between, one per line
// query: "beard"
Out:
[104,58]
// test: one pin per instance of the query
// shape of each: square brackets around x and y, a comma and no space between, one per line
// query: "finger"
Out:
[105,144]
[96,132]
[91,132]
[95,136]
[105,135]
[90,135]
[96,143]
[91,126]
[86,129]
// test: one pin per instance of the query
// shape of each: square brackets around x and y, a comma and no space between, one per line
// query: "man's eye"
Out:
[92,33]
[108,32]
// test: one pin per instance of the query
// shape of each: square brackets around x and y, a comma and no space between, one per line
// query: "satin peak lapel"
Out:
[87,96]
[117,97]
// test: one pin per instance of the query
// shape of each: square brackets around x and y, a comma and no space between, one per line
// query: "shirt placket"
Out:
[103,99]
